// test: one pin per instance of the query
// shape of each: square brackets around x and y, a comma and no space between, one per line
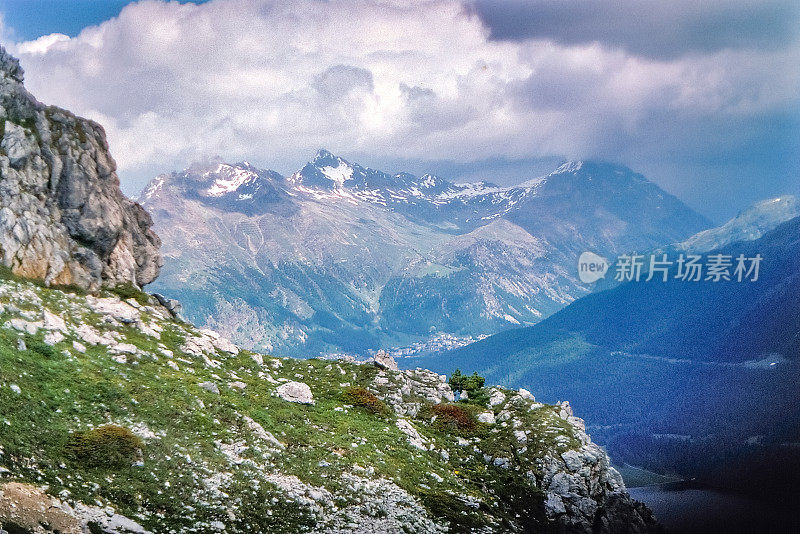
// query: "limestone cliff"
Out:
[63,218]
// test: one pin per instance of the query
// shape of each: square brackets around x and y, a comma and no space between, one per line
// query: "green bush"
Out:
[109,446]
[34,344]
[362,398]
[473,385]
[478,397]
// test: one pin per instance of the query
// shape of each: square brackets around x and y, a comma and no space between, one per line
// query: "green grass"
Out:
[129,291]
[47,438]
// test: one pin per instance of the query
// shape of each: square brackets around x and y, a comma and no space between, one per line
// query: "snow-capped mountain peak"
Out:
[326,171]
[569,166]
[339,174]
[229,178]
[322,157]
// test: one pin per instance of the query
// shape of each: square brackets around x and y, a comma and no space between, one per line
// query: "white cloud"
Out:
[41,45]
[272,81]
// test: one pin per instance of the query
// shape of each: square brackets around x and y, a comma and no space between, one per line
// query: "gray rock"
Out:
[486,417]
[384,361]
[174,307]
[63,218]
[553,505]
[9,66]
[496,398]
[210,387]
[298,392]
[15,144]
[573,459]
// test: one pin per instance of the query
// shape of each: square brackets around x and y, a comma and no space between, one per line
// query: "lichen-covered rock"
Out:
[63,218]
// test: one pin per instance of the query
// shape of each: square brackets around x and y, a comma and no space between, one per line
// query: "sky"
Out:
[701,97]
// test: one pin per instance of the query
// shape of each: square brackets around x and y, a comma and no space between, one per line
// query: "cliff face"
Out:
[63,218]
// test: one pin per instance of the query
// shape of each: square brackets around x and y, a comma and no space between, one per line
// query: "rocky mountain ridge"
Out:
[289,264]
[63,218]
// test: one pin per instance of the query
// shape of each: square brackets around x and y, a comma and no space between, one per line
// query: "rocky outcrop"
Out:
[63,218]
[28,509]
[583,493]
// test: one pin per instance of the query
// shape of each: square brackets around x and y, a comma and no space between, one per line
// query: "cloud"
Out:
[41,45]
[272,81]
[655,29]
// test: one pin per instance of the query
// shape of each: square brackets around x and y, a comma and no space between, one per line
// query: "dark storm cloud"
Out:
[655,29]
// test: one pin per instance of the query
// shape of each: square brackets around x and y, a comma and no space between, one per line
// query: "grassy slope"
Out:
[187,480]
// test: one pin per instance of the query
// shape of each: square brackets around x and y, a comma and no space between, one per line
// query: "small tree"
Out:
[474,382]
[472,385]
[457,381]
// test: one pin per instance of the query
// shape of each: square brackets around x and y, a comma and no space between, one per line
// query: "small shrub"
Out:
[362,398]
[472,385]
[478,397]
[129,291]
[34,344]
[451,417]
[108,446]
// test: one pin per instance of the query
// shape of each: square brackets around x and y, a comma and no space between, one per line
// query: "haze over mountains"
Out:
[342,258]
[677,376]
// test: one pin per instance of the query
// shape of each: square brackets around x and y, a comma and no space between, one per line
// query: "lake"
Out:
[690,510]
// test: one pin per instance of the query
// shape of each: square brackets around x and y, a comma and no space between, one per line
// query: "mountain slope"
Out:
[339,257]
[710,364]
[748,225]
[224,439]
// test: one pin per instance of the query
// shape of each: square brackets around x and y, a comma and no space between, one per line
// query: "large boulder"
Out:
[63,218]
[298,392]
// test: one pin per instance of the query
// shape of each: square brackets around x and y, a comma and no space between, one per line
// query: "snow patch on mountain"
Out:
[339,174]
[152,188]
[229,179]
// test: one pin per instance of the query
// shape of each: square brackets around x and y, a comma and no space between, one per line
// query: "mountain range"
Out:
[342,258]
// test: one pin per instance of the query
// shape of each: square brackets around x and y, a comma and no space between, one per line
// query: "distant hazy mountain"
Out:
[748,225]
[339,257]
[663,370]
